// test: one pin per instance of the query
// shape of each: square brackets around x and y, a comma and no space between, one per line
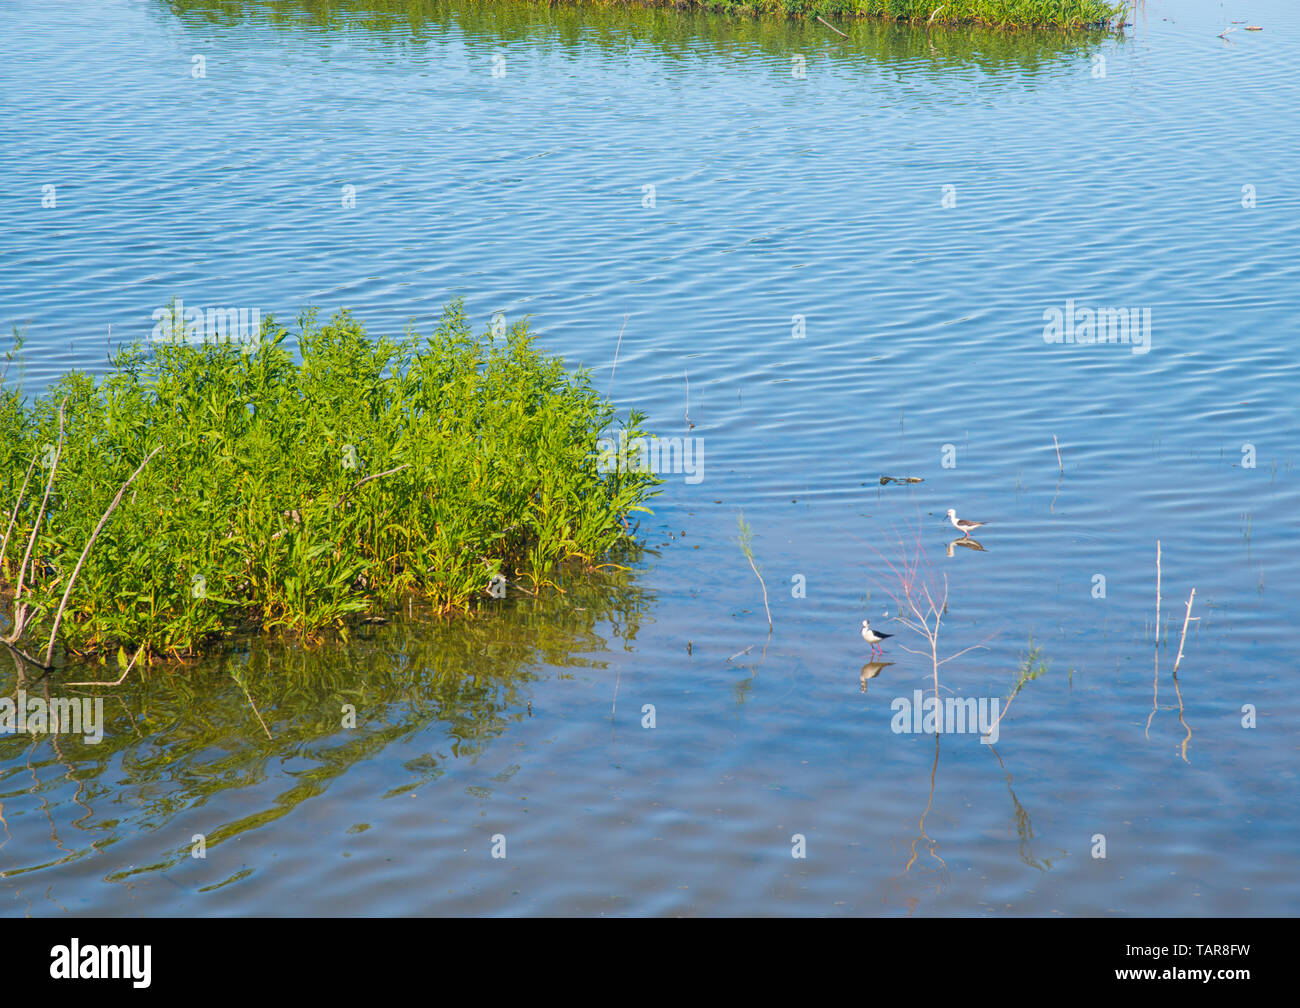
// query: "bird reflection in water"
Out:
[870,670]
[966,541]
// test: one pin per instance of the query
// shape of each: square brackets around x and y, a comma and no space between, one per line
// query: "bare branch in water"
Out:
[58,617]
[746,544]
[13,517]
[21,610]
[130,665]
[831,26]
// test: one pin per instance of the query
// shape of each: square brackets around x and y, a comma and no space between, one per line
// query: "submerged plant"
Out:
[301,493]
[1032,666]
[998,13]
[746,541]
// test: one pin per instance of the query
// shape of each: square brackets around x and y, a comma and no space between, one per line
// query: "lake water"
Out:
[849,250]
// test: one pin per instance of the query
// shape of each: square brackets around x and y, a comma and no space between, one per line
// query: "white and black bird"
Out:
[872,637]
[961,524]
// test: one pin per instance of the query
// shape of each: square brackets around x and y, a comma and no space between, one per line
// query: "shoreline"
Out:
[1002,14]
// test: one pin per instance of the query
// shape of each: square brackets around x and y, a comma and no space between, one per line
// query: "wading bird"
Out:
[961,524]
[872,637]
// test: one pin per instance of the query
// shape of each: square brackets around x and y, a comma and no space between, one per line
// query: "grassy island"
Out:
[197,490]
[996,13]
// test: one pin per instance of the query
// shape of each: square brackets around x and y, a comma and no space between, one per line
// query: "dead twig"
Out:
[1155,677]
[389,472]
[830,26]
[252,704]
[18,652]
[1182,640]
[130,665]
[746,544]
[920,608]
[67,592]
[614,366]
[1178,692]
[21,610]
[13,517]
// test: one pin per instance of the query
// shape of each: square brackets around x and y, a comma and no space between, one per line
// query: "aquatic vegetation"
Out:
[746,541]
[997,13]
[1032,666]
[300,493]
[674,29]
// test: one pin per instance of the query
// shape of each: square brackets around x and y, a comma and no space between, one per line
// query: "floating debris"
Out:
[830,26]
[900,479]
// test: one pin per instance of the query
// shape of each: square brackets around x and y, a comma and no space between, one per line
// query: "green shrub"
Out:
[301,493]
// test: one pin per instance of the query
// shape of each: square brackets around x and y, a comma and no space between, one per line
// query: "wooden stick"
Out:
[404,465]
[58,617]
[119,682]
[1058,455]
[20,611]
[618,346]
[830,26]
[1155,677]
[1182,719]
[4,547]
[18,652]
[253,705]
[1183,639]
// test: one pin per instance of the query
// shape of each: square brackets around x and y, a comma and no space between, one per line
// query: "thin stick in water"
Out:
[830,26]
[615,364]
[4,547]
[58,617]
[1155,677]
[1183,639]
[21,610]
[746,540]
[1182,719]
[252,704]
[130,665]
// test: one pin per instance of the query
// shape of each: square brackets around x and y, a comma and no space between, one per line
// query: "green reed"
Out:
[996,13]
[301,493]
